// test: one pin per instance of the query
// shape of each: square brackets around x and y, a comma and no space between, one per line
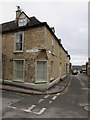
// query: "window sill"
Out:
[21,81]
[17,51]
[37,82]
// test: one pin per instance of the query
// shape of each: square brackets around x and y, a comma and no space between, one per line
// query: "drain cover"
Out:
[87,108]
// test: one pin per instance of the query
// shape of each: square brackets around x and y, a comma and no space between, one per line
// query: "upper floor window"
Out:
[53,45]
[22,21]
[18,46]
[60,52]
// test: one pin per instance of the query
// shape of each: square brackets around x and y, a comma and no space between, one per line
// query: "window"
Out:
[19,41]
[52,70]
[22,22]
[18,69]
[60,52]
[53,45]
[41,71]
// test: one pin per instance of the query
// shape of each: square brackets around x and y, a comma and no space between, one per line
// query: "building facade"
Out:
[88,67]
[31,53]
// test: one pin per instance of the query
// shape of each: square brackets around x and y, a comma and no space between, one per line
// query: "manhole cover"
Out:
[87,108]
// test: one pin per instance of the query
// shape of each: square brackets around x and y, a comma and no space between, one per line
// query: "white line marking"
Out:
[54,97]
[85,89]
[40,112]
[25,110]
[50,101]
[58,94]
[83,104]
[29,109]
[81,82]
[46,96]
[12,107]
[40,100]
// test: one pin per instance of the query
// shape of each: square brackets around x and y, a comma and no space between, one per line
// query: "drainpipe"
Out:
[3,65]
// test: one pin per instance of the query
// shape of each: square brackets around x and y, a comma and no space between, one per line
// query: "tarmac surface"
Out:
[69,103]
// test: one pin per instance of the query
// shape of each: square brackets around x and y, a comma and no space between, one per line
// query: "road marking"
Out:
[29,109]
[41,100]
[85,89]
[46,96]
[50,101]
[81,82]
[12,107]
[58,94]
[40,112]
[25,110]
[83,104]
[54,97]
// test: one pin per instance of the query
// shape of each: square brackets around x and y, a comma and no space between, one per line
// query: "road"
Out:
[67,104]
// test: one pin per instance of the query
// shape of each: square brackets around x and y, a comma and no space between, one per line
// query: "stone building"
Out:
[32,54]
[88,67]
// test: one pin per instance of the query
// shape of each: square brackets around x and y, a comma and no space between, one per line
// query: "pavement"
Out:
[59,87]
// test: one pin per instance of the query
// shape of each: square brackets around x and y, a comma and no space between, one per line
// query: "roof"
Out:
[12,25]
[33,22]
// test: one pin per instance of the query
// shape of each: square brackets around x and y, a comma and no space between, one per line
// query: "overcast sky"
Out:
[70,20]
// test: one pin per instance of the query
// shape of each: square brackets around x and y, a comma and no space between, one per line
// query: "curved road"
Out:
[68,104]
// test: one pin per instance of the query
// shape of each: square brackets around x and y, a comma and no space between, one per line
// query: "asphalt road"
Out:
[67,104]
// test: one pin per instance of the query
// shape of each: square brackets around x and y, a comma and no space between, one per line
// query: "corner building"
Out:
[32,54]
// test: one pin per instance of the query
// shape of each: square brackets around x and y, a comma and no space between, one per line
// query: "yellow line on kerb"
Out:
[66,89]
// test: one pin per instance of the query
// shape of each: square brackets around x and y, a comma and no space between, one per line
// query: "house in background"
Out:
[77,67]
[88,67]
[32,54]
[0,56]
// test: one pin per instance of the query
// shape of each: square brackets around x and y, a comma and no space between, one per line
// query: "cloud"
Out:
[82,30]
[79,59]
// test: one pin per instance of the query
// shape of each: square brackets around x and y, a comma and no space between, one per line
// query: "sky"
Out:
[68,17]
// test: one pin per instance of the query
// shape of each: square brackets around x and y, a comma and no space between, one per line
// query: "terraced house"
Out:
[32,54]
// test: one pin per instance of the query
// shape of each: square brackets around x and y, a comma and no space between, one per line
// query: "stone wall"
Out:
[33,39]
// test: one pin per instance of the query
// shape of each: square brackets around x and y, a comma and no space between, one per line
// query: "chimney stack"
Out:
[53,29]
[18,12]
[59,41]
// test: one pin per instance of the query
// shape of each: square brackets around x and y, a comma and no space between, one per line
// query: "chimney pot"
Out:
[18,12]
[53,29]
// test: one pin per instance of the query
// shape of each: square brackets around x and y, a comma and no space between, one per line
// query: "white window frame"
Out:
[40,81]
[15,41]
[22,22]
[61,53]
[21,80]
[53,45]
[51,77]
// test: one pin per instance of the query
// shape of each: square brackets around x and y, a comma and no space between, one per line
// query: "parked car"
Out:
[74,72]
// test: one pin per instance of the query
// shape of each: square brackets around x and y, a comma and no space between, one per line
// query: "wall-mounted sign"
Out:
[32,51]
